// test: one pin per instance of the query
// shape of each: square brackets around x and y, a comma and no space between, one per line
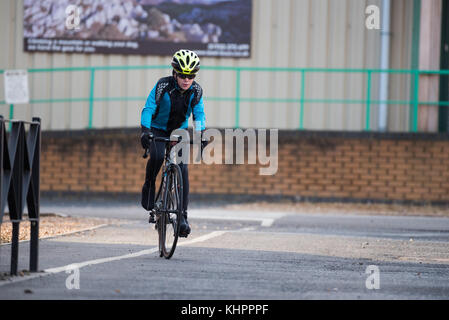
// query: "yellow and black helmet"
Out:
[186,62]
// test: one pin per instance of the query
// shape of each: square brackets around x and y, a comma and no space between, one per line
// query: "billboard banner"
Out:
[215,28]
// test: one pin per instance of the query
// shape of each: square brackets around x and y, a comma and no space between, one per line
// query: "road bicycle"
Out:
[168,206]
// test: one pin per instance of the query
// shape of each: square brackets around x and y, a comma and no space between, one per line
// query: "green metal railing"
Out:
[368,102]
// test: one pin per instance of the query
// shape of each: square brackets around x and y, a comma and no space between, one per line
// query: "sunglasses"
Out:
[186,76]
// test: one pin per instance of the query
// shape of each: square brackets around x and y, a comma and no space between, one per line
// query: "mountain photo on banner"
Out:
[164,21]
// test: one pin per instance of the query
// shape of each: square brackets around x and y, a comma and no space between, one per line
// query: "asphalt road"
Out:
[240,255]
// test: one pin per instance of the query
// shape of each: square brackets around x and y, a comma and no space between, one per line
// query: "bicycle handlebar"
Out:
[167,140]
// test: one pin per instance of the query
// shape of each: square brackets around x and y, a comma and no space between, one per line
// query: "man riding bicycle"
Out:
[168,107]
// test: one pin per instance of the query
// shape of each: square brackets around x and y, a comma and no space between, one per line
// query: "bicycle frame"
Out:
[162,187]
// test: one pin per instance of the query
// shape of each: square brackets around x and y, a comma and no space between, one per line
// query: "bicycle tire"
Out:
[159,197]
[160,231]
[170,217]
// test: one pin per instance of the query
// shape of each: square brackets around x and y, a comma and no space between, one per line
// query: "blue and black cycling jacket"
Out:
[169,109]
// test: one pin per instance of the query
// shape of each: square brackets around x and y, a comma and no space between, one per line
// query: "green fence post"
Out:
[91,96]
[237,99]
[11,115]
[301,110]
[415,101]
[368,103]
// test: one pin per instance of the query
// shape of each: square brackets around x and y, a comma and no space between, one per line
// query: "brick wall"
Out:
[312,165]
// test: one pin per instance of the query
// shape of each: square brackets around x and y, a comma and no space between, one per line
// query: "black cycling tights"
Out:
[157,152]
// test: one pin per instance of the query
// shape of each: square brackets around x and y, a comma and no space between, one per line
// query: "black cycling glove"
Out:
[145,137]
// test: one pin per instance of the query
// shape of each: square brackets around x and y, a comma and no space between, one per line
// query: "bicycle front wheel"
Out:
[173,210]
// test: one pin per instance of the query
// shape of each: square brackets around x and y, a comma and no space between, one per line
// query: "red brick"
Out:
[357,168]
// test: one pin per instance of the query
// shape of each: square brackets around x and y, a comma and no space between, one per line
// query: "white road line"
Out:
[80,265]
[266,220]
[264,223]
[204,237]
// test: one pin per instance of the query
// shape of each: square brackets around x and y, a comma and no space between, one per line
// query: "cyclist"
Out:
[168,107]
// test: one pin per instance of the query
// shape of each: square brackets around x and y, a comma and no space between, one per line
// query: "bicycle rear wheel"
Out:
[173,209]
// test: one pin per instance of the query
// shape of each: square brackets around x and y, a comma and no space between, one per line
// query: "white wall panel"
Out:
[398,115]
[261,51]
[315,113]
[335,84]
[79,88]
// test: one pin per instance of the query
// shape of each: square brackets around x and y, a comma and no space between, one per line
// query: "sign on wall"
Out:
[217,28]
[16,86]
